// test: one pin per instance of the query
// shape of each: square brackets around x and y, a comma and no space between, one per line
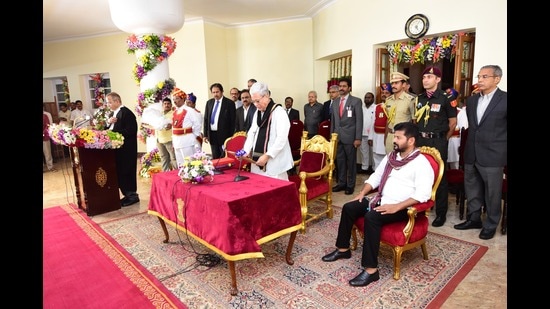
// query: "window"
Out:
[62,91]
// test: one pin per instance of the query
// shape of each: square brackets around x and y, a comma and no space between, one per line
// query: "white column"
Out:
[149,17]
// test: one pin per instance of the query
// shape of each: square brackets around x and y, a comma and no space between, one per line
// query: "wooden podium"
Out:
[95,180]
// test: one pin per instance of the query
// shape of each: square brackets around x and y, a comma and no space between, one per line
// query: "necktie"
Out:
[214,112]
[330,108]
[342,103]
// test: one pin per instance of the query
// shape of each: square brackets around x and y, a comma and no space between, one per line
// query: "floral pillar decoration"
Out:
[149,21]
[102,112]
[66,91]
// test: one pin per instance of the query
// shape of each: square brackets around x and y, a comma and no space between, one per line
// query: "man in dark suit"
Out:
[293,114]
[219,120]
[243,123]
[334,93]
[347,121]
[124,122]
[485,153]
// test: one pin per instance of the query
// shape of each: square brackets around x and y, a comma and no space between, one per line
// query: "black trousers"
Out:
[373,226]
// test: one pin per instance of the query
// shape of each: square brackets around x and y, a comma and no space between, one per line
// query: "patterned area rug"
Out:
[309,283]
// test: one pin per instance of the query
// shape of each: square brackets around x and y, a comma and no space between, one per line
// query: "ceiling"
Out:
[75,19]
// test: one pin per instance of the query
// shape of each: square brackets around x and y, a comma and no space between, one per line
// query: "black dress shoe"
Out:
[369,171]
[337,188]
[467,225]
[439,221]
[487,234]
[364,278]
[336,255]
[129,201]
[349,191]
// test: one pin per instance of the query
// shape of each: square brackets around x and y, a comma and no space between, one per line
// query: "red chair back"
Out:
[324,129]
[295,137]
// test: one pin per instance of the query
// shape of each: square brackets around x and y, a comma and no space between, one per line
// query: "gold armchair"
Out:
[314,178]
[406,235]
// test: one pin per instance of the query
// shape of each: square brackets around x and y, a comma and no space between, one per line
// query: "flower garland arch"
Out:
[427,49]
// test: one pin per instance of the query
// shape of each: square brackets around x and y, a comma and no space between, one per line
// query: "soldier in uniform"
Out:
[436,120]
[399,106]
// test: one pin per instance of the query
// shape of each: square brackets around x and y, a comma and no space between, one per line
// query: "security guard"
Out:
[436,120]
[399,106]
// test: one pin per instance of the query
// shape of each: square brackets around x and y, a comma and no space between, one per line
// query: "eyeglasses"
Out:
[484,76]
[258,100]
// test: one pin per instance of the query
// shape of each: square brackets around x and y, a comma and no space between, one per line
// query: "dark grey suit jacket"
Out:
[350,126]
[487,142]
[240,123]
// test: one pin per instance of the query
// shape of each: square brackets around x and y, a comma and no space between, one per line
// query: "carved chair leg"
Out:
[397,252]
[353,238]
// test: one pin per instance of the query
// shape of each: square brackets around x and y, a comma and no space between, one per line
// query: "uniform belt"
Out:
[182,131]
[456,133]
[379,129]
[433,134]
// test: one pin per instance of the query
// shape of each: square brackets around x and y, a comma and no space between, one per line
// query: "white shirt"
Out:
[482,104]
[79,117]
[368,118]
[413,180]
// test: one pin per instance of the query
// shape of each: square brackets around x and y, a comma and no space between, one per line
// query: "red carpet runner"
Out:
[85,268]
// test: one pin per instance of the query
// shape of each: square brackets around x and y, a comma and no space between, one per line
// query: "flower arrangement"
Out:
[101,115]
[99,89]
[195,168]
[154,50]
[150,96]
[147,161]
[61,134]
[427,49]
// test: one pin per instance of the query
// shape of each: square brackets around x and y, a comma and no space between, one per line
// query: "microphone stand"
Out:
[216,170]
[239,177]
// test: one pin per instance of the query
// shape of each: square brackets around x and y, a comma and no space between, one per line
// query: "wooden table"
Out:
[230,218]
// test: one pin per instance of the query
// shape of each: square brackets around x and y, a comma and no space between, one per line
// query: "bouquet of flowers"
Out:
[100,117]
[61,134]
[147,161]
[196,167]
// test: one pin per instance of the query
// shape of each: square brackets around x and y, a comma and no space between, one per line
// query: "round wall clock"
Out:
[417,26]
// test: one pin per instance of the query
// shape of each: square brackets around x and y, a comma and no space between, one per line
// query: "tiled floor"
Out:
[484,287]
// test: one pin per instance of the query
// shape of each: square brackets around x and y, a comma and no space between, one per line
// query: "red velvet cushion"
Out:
[455,176]
[392,233]
[312,161]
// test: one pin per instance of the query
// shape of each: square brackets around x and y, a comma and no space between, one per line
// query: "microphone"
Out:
[86,118]
[239,155]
